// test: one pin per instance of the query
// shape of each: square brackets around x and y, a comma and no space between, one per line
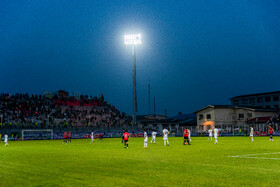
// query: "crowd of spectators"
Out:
[58,111]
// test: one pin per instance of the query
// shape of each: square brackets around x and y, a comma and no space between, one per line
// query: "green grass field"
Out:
[107,163]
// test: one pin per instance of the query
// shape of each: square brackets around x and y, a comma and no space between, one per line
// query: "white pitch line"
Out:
[249,156]
[259,158]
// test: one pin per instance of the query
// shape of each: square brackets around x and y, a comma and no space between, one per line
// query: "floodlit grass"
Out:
[107,163]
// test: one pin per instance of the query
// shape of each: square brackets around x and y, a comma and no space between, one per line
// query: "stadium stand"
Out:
[58,111]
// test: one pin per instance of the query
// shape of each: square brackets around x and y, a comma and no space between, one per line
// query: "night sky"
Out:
[195,52]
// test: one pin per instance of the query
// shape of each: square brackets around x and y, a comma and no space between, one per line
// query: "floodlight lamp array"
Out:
[132,39]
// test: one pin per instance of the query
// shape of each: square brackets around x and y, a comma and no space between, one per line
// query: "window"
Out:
[260,100]
[208,116]
[275,98]
[267,99]
[244,101]
[240,116]
[249,115]
[232,115]
[276,106]
[235,102]
[267,106]
[253,101]
[200,116]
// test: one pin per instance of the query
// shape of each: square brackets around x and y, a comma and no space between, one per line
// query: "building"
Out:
[228,118]
[262,100]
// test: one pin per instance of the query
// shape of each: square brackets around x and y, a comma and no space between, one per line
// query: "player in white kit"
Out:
[190,135]
[251,133]
[6,139]
[165,134]
[92,136]
[210,134]
[145,139]
[216,134]
[154,134]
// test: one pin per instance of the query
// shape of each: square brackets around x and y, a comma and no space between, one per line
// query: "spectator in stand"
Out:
[44,111]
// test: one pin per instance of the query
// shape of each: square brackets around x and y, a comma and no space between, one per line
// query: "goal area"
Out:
[37,134]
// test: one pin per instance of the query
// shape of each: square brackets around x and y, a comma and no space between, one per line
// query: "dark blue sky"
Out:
[196,52]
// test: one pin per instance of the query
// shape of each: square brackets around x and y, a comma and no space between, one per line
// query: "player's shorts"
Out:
[153,137]
[251,134]
[210,135]
[270,134]
[215,136]
[65,138]
[165,138]
[125,140]
[5,141]
[186,137]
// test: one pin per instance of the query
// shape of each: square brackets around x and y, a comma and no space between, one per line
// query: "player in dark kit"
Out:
[69,136]
[270,130]
[186,136]
[65,137]
[125,138]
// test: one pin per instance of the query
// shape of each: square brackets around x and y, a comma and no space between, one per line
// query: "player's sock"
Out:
[167,143]
[164,142]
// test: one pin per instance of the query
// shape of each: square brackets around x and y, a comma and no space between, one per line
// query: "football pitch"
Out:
[235,161]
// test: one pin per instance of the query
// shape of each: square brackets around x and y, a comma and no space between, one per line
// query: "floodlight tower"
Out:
[133,40]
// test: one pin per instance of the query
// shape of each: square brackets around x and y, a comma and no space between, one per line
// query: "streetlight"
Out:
[133,40]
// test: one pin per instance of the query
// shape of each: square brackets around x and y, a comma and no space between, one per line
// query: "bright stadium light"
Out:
[133,39]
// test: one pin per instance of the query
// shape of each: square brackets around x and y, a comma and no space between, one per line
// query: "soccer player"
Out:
[216,134]
[210,134]
[69,136]
[186,136]
[6,139]
[251,133]
[145,139]
[65,137]
[154,134]
[125,138]
[165,134]
[92,137]
[190,135]
[270,130]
